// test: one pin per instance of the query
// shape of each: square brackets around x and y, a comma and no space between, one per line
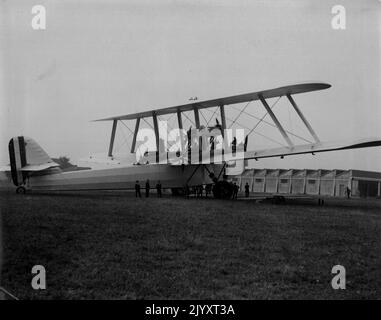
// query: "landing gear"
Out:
[21,190]
[279,199]
[177,191]
[223,190]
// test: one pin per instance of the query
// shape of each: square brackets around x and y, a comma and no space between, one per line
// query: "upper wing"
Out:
[271,93]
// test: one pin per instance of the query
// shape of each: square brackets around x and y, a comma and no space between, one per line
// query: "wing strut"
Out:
[276,121]
[156,129]
[223,119]
[197,120]
[180,124]
[301,115]
[112,139]
[137,123]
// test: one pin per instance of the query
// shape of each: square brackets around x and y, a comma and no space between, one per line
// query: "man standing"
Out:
[247,190]
[147,188]
[158,189]
[137,189]
[348,192]
[235,190]
[186,191]
[207,190]
[203,189]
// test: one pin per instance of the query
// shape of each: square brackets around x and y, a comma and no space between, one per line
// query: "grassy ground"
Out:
[113,246]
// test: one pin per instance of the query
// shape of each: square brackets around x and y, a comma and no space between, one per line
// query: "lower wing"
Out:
[313,148]
[285,151]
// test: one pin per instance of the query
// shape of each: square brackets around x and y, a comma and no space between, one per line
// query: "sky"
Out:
[101,58]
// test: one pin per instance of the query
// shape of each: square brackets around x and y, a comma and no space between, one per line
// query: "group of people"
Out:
[198,191]
[147,188]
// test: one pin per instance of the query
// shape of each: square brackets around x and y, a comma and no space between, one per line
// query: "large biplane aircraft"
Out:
[201,155]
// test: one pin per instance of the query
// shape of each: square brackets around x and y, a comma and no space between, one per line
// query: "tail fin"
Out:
[26,155]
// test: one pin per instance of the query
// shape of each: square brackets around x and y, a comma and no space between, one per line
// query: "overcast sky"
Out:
[103,58]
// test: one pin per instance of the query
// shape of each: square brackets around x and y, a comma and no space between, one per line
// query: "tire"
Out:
[20,190]
[223,190]
[279,199]
[177,191]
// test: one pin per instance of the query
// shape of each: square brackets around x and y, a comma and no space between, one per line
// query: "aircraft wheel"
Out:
[177,191]
[223,190]
[279,199]
[20,190]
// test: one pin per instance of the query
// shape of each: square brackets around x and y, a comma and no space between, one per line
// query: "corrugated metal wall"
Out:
[312,182]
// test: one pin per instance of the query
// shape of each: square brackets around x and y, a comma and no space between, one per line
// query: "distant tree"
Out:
[63,161]
[66,165]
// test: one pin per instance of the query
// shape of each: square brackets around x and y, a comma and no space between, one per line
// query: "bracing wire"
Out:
[274,126]
[192,122]
[264,116]
[235,120]
[126,126]
[211,117]
[256,132]
[200,112]
[124,137]
[147,122]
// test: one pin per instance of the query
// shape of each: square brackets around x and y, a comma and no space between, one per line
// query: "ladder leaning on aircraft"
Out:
[31,168]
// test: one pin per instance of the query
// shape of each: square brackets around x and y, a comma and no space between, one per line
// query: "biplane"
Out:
[202,155]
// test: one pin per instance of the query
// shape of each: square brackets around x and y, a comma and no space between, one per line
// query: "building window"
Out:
[311,181]
[258,180]
[283,180]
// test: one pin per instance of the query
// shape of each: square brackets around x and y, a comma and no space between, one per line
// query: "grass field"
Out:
[113,246]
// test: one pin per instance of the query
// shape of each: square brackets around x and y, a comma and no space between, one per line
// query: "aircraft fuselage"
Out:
[119,178]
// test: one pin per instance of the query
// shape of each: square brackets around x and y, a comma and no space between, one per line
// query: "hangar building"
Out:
[362,184]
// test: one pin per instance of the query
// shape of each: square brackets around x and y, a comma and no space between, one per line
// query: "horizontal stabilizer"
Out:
[32,167]
[26,155]
[5,169]
[39,167]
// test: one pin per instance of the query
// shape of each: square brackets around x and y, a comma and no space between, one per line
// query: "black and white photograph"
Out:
[203,151]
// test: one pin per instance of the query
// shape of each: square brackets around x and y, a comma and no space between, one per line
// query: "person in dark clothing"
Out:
[234,145]
[235,190]
[197,191]
[158,189]
[247,190]
[186,191]
[348,192]
[208,188]
[137,189]
[200,190]
[147,188]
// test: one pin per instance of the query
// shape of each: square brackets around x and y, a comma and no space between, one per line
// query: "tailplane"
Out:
[26,155]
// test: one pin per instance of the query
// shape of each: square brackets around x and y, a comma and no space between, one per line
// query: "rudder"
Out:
[17,158]
[26,155]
